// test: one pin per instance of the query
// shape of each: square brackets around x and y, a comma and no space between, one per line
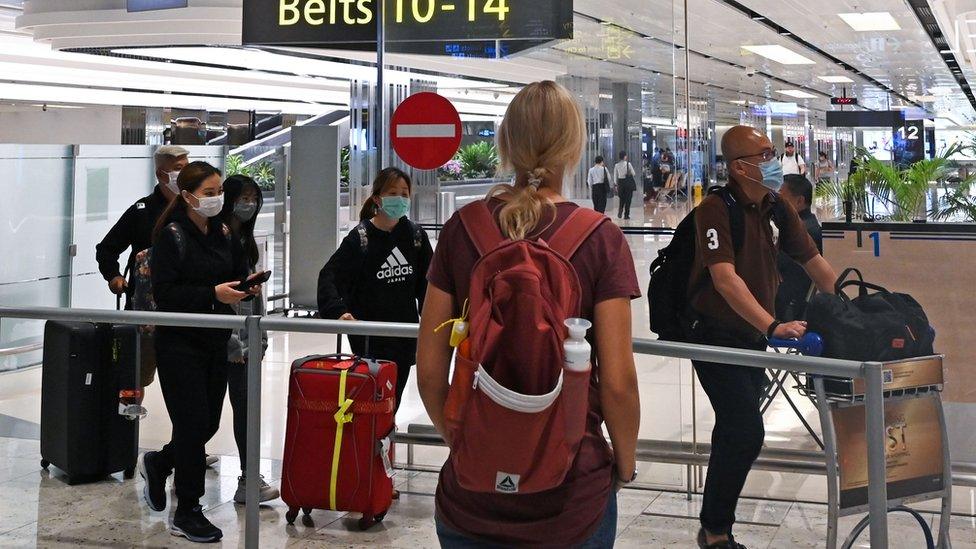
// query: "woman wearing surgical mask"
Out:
[379,273]
[242,204]
[196,266]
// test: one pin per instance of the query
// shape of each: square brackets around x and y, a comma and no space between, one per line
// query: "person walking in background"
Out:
[824,168]
[793,163]
[378,273]
[794,291]
[540,139]
[626,181]
[599,181]
[242,205]
[196,267]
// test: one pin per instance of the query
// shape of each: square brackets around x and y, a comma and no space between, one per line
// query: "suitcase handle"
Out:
[842,279]
[862,287]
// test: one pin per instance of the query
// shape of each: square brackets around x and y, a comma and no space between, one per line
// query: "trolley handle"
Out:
[810,344]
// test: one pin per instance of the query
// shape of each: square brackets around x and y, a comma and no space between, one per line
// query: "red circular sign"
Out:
[425,131]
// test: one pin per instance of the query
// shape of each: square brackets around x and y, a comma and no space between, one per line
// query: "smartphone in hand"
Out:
[255,280]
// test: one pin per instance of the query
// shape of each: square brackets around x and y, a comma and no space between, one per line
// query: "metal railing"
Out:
[871,372]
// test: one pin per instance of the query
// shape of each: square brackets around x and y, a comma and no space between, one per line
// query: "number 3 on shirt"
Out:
[712,236]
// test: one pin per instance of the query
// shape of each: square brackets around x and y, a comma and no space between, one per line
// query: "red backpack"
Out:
[515,417]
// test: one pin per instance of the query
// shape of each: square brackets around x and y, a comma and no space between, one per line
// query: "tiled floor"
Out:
[38,509]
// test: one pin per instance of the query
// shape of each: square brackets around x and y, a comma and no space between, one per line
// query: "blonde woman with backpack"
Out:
[514,267]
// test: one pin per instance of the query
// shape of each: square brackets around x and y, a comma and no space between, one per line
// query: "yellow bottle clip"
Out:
[459,329]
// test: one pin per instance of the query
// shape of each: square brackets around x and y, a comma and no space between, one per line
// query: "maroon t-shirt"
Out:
[569,514]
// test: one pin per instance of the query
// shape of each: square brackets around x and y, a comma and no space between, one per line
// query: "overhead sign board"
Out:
[463,28]
[150,5]
[865,119]
[843,101]
[425,130]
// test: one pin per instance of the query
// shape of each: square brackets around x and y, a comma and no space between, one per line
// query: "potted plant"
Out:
[478,160]
[958,202]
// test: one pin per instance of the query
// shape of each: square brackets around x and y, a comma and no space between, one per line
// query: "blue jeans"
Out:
[603,538]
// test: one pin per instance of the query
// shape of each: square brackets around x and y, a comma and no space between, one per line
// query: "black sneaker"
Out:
[195,527]
[727,544]
[155,477]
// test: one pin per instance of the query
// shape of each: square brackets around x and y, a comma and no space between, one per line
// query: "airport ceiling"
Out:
[632,40]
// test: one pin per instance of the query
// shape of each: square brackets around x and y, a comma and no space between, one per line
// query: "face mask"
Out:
[171,182]
[772,174]
[210,206]
[245,210]
[395,206]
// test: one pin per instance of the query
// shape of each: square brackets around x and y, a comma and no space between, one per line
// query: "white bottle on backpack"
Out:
[576,348]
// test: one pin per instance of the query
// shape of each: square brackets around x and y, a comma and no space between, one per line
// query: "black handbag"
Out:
[879,326]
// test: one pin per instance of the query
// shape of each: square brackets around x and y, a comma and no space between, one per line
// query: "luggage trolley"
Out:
[917,449]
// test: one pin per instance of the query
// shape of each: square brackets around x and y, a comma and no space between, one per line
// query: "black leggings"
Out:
[401,351]
[193,385]
[237,391]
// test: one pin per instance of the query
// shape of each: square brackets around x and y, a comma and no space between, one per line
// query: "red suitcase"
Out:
[338,443]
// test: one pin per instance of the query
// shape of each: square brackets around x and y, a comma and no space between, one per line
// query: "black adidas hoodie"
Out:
[386,283]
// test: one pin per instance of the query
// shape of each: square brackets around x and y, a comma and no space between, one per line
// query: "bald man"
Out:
[733,292]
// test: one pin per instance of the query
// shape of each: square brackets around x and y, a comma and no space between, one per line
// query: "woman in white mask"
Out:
[196,266]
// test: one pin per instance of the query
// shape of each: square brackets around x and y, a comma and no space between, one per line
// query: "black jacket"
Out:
[133,230]
[791,299]
[184,283]
[387,283]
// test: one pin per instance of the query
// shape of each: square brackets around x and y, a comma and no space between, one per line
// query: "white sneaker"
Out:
[266,492]
[212,460]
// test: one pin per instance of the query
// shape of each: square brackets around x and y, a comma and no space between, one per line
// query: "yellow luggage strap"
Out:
[341,418]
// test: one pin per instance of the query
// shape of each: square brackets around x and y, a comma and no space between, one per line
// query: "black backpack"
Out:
[880,326]
[672,317]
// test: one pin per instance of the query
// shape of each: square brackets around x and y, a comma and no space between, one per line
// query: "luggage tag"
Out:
[459,327]
[385,453]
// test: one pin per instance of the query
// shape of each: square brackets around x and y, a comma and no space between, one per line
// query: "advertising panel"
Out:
[913,450]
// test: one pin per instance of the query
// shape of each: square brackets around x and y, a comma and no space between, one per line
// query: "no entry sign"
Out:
[425,131]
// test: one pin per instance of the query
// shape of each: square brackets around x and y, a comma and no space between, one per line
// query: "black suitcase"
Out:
[85,367]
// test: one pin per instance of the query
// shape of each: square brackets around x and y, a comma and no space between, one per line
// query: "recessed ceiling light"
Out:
[836,79]
[780,54]
[797,94]
[871,21]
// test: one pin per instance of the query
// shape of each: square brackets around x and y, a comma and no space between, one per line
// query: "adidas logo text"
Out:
[396,268]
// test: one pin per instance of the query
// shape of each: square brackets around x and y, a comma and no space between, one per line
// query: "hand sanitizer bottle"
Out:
[576,348]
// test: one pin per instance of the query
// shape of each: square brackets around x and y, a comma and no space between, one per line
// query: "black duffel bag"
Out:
[880,326]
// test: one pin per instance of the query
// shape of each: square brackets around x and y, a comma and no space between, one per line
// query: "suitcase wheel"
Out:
[291,515]
[369,520]
[129,474]
[45,464]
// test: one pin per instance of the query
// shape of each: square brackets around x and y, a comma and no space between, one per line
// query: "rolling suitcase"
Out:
[338,442]
[86,369]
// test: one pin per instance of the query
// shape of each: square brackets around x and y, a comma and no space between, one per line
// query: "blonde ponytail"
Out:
[542,135]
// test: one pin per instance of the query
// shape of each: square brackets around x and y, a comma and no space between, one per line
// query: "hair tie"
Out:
[535,177]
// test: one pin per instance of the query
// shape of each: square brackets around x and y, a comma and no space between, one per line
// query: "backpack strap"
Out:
[737,220]
[580,224]
[480,225]
[418,236]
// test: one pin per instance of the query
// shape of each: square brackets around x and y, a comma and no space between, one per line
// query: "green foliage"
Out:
[957,202]
[263,173]
[478,160]
[903,191]
[344,155]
